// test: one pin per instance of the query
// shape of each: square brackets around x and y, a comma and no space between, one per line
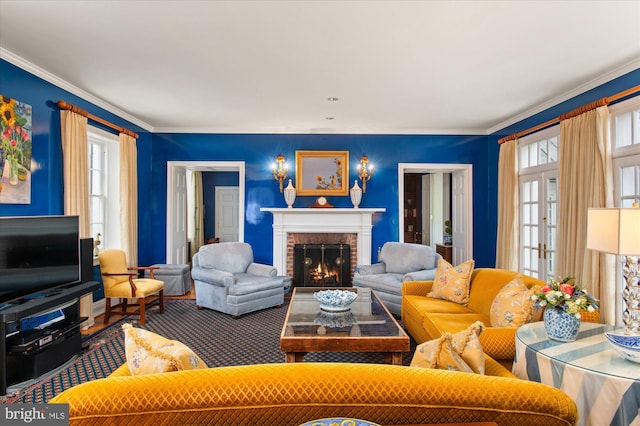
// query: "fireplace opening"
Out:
[322,265]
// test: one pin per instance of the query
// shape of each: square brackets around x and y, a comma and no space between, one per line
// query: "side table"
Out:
[605,387]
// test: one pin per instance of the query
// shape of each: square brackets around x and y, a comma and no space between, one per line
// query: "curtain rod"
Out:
[571,114]
[67,106]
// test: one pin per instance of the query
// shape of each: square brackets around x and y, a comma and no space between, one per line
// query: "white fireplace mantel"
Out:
[319,220]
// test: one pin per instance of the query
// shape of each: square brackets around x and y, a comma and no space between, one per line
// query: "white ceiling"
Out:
[423,67]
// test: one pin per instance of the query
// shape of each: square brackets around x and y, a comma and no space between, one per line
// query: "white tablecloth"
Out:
[605,387]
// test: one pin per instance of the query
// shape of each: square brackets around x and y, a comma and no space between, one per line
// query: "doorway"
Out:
[461,204]
[177,247]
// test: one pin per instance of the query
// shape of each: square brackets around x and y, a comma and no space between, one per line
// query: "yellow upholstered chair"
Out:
[590,316]
[122,283]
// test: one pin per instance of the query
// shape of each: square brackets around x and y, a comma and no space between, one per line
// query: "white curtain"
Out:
[76,168]
[129,198]
[75,165]
[507,241]
[585,180]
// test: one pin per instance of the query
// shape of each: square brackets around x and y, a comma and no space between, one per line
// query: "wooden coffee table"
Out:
[366,327]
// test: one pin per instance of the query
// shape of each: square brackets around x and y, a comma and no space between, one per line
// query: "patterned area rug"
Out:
[216,337]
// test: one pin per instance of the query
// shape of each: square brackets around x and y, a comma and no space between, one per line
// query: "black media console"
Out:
[27,352]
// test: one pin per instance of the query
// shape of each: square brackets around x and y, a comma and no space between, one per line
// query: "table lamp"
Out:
[617,231]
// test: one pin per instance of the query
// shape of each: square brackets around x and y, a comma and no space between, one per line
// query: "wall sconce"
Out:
[280,170]
[365,171]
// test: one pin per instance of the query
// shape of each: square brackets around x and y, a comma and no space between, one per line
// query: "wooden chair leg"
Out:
[143,305]
[162,301]
[107,309]
[125,302]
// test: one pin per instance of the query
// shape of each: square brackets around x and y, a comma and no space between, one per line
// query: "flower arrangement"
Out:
[565,294]
[13,140]
[15,132]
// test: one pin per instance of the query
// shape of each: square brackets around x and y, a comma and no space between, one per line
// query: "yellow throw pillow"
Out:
[439,354]
[452,282]
[512,306]
[467,344]
[149,353]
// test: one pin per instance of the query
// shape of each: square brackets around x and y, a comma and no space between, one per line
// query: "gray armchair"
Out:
[228,280]
[398,262]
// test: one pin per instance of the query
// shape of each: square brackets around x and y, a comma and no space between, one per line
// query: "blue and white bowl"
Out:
[628,346]
[335,300]
[629,341]
[335,319]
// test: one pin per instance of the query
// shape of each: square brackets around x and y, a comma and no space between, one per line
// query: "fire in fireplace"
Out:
[322,265]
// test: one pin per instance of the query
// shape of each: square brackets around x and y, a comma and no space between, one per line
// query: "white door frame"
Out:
[204,166]
[467,208]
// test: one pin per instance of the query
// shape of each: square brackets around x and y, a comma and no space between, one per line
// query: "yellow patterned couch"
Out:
[292,394]
[426,318]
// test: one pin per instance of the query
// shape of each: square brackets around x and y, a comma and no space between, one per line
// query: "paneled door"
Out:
[227,213]
[538,224]
[177,216]
[459,208]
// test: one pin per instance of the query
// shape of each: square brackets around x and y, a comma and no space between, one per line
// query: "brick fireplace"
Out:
[320,241]
[321,225]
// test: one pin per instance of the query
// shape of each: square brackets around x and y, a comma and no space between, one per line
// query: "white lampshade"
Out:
[615,231]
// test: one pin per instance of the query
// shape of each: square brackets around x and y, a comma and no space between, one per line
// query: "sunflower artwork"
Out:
[15,151]
[322,172]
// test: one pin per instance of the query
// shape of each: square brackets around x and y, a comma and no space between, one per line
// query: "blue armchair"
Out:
[228,280]
[398,262]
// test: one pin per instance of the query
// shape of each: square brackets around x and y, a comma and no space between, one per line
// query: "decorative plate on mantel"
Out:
[321,202]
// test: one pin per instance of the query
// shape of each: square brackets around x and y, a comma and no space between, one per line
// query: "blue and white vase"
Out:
[560,325]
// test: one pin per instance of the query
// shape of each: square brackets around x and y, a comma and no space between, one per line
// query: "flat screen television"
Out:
[37,253]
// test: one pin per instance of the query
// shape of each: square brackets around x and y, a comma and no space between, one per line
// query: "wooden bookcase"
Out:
[413,208]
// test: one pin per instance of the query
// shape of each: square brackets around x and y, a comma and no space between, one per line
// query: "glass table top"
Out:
[366,317]
[590,351]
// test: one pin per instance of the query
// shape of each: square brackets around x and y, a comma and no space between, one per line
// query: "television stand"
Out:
[26,353]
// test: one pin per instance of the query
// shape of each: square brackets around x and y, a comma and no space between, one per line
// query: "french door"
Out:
[538,223]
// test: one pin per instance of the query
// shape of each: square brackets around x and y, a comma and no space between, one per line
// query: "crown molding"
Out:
[321,131]
[611,75]
[65,85]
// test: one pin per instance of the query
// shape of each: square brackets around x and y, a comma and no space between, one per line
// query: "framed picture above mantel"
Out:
[322,173]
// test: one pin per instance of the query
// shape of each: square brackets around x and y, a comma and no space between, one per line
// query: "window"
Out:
[538,168]
[538,152]
[625,141]
[625,129]
[104,202]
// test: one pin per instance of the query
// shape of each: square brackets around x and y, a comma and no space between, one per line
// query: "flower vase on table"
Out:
[561,325]
[563,300]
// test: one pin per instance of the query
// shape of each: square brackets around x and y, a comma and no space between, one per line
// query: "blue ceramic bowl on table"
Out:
[335,300]
[627,345]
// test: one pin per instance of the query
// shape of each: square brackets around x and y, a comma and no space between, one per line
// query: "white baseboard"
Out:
[98,307]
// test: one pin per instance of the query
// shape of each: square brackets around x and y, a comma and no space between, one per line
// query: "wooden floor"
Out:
[99,320]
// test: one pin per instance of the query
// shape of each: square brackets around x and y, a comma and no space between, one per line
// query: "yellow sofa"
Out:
[426,318]
[292,394]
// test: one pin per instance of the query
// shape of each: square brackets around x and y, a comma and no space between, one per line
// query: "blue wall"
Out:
[258,153]
[384,151]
